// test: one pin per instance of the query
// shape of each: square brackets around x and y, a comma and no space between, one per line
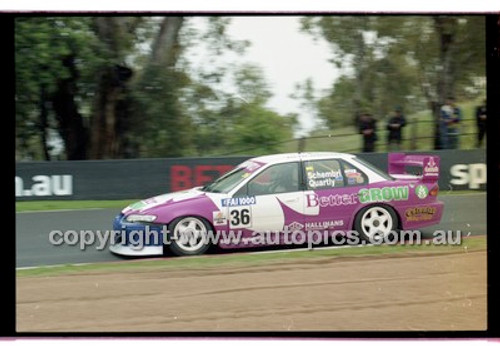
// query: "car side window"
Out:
[353,175]
[323,174]
[280,178]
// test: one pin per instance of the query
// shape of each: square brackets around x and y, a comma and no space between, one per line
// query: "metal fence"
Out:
[412,140]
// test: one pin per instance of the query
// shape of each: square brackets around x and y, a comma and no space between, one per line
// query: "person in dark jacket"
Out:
[481,123]
[368,128]
[394,126]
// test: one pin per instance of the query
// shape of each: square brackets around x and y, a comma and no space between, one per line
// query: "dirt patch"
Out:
[446,292]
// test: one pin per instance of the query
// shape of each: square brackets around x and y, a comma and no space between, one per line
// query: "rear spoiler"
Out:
[429,163]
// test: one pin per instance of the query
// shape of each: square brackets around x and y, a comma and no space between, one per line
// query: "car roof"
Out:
[287,157]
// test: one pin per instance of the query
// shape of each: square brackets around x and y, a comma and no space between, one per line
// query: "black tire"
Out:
[179,245]
[381,227]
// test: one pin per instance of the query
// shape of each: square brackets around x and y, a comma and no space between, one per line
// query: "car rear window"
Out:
[373,168]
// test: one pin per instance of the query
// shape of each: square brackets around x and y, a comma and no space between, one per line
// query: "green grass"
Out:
[347,139]
[254,259]
[58,205]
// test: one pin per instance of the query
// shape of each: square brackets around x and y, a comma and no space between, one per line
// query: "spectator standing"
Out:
[368,128]
[394,126]
[451,116]
[481,123]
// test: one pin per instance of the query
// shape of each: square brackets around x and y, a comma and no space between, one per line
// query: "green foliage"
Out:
[259,131]
[389,61]
[227,123]
[251,85]
[162,129]
[166,108]
[41,44]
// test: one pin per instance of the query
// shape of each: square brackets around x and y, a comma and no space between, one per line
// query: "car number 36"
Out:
[240,217]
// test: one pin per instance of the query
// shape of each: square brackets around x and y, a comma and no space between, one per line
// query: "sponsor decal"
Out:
[251,166]
[422,191]
[355,179]
[238,201]
[219,219]
[294,226]
[185,177]
[353,176]
[420,213]
[431,169]
[385,194]
[137,205]
[324,225]
[313,200]
[472,175]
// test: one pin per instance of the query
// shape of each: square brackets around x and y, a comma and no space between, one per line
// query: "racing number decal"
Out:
[240,217]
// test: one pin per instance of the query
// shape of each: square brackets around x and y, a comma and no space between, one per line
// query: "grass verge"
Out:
[254,258]
[63,205]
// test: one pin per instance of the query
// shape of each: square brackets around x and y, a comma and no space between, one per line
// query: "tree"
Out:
[386,57]
[109,111]
[75,74]
[49,53]
[459,57]
[120,87]
[259,131]
[305,93]
[238,122]
[347,35]
[161,128]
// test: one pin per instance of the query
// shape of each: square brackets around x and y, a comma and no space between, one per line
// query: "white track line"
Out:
[263,252]
[59,265]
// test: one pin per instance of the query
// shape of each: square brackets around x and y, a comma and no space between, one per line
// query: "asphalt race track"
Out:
[465,212]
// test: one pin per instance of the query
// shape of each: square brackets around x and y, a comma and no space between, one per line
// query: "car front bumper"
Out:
[126,250]
[137,239]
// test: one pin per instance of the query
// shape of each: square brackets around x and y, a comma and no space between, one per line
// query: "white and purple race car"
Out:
[277,194]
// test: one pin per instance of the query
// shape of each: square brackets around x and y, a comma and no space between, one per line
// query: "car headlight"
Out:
[140,218]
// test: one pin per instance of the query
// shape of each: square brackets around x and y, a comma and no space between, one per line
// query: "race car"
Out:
[277,194]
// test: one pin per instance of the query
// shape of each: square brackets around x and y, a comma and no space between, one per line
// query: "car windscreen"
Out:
[373,168]
[228,181]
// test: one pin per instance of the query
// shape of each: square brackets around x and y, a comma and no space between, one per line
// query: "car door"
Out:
[273,200]
[331,194]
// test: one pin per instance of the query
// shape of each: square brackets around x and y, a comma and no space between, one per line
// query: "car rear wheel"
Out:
[189,236]
[376,223]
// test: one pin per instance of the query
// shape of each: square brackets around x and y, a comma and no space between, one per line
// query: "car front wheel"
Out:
[189,236]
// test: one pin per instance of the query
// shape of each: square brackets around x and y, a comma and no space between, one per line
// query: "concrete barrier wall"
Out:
[130,179]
